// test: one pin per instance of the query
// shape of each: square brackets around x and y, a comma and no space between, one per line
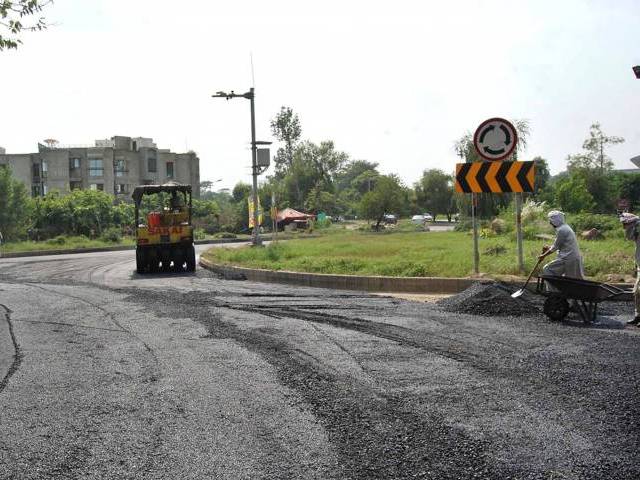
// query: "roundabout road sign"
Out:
[495,139]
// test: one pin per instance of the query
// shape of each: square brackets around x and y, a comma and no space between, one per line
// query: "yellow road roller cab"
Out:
[164,236]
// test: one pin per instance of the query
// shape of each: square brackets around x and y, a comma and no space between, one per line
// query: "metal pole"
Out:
[519,231]
[254,167]
[474,220]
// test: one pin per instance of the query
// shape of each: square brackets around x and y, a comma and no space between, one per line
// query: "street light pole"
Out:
[250,95]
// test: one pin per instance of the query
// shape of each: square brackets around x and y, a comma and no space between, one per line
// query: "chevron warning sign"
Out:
[495,177]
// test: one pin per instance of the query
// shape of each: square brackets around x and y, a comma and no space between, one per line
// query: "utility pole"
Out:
[250,95]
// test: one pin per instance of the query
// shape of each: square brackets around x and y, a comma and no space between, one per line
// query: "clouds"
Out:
[392,84]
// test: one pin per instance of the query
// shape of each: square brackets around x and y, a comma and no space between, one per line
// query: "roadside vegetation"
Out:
[405,252]
[318,178]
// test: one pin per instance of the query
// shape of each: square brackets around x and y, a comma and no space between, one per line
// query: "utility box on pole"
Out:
[264,157]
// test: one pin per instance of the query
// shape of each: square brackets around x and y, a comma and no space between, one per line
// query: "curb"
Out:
[360,283]
[345,282]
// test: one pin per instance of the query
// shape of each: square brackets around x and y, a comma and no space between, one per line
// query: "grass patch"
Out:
[63,243]
[413,254]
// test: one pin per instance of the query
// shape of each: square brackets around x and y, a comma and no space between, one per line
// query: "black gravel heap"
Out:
[488,299]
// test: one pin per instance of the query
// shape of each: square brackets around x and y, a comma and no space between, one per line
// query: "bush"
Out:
[533,211]
[586,221]
[59,240]
[113,235]
[274,252]
[225,235]
[226,229]
[324,223]
[463,225]
[199,234]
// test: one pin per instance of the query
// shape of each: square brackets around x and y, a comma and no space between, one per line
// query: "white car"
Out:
[427,217]
[418,219]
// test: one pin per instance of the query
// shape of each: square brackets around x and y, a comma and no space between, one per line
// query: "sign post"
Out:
[474,221]
[518,196]
[495,140]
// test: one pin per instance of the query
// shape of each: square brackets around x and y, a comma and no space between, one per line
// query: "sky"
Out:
[389,82]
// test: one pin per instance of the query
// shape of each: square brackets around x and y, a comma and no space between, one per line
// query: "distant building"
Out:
[115,165]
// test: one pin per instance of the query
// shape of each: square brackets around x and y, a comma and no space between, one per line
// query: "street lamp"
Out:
[250,95]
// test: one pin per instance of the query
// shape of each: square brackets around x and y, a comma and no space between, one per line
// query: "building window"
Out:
[35,191]
[75,185]
[97,186]
[74,163]
[169,169]
[151,165]
[121,188]
[95,167]
[35,169]
[119,167]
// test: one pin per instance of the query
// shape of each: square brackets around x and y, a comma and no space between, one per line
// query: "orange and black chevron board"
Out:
[495,177]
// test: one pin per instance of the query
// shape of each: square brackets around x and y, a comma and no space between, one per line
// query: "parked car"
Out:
[418,219]
[390,219]
[427,217]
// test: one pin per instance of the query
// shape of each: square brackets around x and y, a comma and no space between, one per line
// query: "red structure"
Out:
[289,215]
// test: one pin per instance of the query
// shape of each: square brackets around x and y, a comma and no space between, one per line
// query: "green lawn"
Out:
[62,243]
[416,254]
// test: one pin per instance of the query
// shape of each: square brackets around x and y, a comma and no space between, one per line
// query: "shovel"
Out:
[521,291]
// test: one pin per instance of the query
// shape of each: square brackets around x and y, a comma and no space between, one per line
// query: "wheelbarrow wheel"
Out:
[556,308]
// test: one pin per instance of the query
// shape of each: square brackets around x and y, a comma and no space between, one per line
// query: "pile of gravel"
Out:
[488,299]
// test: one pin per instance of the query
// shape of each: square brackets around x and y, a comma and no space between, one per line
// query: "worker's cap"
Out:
[628,217]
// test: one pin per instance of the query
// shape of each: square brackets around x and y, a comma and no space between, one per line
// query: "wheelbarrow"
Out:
[585,296]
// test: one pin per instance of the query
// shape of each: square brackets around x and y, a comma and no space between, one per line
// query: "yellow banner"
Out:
[249,200]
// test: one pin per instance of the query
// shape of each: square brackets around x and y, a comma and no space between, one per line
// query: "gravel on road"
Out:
[192,376]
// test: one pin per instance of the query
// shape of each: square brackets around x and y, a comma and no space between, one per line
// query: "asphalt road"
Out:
[190,376]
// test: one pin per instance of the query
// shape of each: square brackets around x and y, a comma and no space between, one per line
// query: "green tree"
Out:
[14,201]
[434,192]
[542,173]
[205,208]
[594,166]
[593,156]
[388,196]
[286,128]
[572,195]
[595,145]
[315,166]
[12,15]
[321,201]
[241,191]
[628,188]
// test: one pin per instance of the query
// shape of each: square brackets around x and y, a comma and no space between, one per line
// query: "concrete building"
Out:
[115,165]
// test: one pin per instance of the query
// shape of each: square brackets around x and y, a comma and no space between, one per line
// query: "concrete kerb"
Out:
[346,282]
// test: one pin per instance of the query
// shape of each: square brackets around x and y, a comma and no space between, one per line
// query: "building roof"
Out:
[289,214]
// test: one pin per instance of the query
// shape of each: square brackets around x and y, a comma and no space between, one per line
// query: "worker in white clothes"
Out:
[569,260]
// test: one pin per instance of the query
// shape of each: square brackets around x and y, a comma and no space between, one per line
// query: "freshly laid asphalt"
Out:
[191,376]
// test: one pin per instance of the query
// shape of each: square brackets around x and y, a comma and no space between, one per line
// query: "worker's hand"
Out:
[545,249]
